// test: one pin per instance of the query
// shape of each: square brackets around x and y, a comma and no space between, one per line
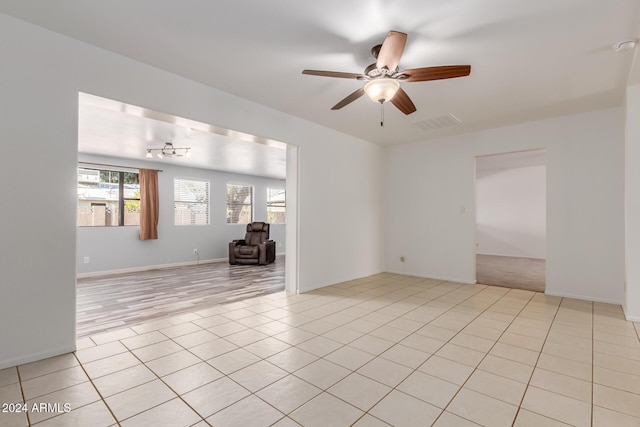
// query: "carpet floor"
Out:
[511,272]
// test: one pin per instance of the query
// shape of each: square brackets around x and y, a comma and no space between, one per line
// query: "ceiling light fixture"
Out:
[381,90]
[169,150]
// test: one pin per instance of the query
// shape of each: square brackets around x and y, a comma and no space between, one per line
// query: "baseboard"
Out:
[628,317]
[445,279]
[583,298]
[343,280]
[37,356]
[632,318]
[148,267]
[558,294]
[153,267]
[511,256]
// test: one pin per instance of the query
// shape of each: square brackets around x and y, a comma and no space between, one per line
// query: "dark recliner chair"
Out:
[255,248]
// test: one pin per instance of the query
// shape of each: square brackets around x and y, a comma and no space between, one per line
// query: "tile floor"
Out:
[382,350]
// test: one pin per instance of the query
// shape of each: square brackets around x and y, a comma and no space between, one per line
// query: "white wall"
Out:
[428,184]
[511,212]
[118,248]
[632,207]
[40,77]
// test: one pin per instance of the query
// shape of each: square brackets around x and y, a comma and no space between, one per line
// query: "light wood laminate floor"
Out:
[114,302]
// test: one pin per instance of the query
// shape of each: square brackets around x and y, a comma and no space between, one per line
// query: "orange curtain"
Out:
[149,205]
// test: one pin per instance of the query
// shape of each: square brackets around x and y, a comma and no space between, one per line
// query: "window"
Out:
[108,198]
[239,204]
[191,201]
[276,204]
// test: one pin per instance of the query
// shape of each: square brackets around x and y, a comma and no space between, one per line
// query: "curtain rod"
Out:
[116,166]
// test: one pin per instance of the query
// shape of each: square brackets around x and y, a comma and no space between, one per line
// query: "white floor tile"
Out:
[400,409]
[482,409]
[288,393]
[248,412]
[376,351]
[359,391]
[326,410]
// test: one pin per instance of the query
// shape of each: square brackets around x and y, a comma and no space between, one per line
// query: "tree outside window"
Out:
[239,204]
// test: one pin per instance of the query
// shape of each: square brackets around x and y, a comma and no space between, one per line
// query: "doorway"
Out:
[510,207]
[194,232]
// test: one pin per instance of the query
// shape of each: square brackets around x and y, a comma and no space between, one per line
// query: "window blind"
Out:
[191,201]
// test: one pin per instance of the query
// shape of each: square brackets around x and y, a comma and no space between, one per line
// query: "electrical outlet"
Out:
[86,260]
[195,251]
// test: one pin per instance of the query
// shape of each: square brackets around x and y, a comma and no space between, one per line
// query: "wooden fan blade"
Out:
[349,99]
[391,50]
[434,73]
[332,74]
[402,102]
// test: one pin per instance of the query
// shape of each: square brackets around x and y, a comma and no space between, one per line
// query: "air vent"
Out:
[436,123]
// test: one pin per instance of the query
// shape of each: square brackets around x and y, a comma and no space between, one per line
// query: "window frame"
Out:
[121,198]
[271,204]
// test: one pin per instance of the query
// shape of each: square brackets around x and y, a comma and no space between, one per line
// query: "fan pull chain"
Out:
[381,114]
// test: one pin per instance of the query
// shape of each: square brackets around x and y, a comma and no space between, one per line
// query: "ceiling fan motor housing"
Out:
[373,71]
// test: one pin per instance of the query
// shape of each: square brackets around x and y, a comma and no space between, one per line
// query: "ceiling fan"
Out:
[383,78]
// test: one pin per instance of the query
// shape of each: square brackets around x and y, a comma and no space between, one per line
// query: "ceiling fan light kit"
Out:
[383,78]
[169,151]
[381,90]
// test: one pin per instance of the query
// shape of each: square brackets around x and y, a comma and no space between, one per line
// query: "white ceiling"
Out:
[530,59]
[111,128]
